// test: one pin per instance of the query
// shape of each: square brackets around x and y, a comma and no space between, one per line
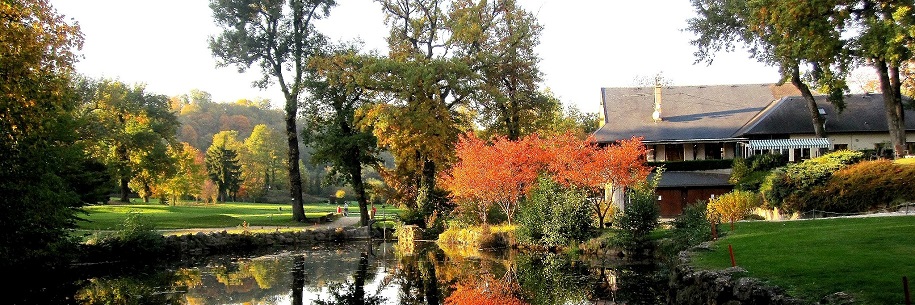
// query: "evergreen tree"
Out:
[223,168]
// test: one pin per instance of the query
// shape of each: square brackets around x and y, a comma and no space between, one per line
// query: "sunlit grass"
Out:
[865,257]
[906,161]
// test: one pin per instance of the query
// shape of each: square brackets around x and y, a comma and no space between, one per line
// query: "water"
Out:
[375,273]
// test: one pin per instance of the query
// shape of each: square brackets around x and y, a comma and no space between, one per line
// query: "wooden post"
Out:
[905,288]
[731,250]
[714,230]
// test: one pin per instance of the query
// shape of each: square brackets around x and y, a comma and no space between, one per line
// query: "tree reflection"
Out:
[159,288]
[353,293]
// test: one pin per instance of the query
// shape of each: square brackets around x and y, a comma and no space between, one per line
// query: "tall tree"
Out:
[279,37]
[333,132]
[37,138]
[131,131]
[261,164]
[189,173]
[497,39]
[886,40]
[222,164]
[802,38]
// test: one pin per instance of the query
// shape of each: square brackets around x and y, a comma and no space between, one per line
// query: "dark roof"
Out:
[687,112]
[685,179]
[789,115]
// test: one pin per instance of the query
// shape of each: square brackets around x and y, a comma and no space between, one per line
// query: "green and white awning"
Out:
[789,143]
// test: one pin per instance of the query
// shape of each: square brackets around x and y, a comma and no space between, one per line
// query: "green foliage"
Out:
[223,169]
[740,169]
[41,158]
[136,238]
[693,165]
[640,217]
[554,216]
[767,162]
[786,187]
[689,229]
[863,187]
[748,174]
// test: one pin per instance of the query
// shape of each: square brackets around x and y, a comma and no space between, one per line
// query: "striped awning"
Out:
[789,143]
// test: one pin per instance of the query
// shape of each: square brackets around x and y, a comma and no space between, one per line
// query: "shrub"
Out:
[689,229]
[554,216]
[767,162]
[136,239]
[477,237]
[693,165]
[740,168]
[748,174]
[732,206]
[865,186]
[641,216]
[786,187]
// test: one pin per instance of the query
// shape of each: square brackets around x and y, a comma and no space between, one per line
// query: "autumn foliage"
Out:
[501,172]
[489,292]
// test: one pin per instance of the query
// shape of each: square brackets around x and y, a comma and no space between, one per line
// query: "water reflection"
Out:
[373,273]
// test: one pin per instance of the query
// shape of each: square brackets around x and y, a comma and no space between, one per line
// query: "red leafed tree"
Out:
[586,165]
[500,173]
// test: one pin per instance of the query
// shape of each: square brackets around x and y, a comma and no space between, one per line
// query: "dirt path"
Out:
[341,222]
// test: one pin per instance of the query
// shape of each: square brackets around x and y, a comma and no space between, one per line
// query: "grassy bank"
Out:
[865,257]
[221,215]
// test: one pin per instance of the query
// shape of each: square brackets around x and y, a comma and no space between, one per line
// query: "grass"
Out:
[221,215]
[865,257]
[906,161]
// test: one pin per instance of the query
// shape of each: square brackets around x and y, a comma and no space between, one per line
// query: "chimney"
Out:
[656,116]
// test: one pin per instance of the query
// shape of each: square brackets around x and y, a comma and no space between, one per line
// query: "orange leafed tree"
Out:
[500,173]
[586,165]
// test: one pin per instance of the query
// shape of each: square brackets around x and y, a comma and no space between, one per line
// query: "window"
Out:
[673,152]
[713,151]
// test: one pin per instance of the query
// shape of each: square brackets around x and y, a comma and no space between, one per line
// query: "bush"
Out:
[732,206]
[554,216]
[786,187]
[689,229]
[748,174]
[693,165]
[136,239]
[865,186]
[640,217]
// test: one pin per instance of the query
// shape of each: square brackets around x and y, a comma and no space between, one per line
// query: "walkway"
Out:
[341,222]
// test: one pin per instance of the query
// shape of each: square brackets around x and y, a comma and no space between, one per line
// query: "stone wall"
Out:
[705,287]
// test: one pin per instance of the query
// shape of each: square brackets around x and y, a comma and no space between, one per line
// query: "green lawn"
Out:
[188,216]
[865,257]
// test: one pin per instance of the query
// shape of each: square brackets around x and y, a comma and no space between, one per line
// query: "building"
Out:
[687,123]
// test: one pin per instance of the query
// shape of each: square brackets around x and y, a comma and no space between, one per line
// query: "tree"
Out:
[279,37]
[333,132]
[261,163]
[189,173]
[586,166]
[498,174]
[130,130]
[38,142]
[222,164]
[803,38]
[885,39]
[497,40]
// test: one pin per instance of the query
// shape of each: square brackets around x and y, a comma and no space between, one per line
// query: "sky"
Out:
[585,45]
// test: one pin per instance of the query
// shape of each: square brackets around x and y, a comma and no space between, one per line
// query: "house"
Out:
[685,123]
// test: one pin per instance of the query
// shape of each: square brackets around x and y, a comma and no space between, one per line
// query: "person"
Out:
[372,212]
[339,210]
[346,209]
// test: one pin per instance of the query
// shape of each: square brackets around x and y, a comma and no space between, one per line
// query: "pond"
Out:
[377,273]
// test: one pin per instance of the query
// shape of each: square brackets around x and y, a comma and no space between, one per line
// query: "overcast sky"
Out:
[585,45]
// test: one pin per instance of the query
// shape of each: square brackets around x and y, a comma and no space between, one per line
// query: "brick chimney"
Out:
[656,116]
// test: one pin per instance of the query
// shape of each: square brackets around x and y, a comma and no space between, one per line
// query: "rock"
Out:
[838,298]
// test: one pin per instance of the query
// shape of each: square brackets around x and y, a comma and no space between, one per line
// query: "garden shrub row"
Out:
[865,186]
[693,165]
[788,187]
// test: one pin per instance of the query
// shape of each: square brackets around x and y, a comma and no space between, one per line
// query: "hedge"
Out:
[788,187]
[865,186]
[693,165]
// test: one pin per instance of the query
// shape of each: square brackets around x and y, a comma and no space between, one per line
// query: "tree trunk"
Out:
[146,192]
[355,172]
[818,124]
[292,161]
[424,200]
[892,105]
[123,159]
